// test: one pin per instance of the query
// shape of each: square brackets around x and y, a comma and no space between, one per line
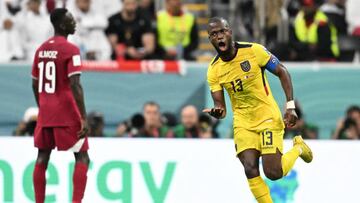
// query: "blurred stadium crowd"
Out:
[153,123]
[294,30]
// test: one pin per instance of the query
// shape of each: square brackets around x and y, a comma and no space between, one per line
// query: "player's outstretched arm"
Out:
[290,116]
[78,93]
[219,110]
[35,86]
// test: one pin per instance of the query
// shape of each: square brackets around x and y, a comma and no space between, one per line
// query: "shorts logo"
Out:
[245,66]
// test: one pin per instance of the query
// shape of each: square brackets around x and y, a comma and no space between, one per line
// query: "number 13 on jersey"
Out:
[47,72]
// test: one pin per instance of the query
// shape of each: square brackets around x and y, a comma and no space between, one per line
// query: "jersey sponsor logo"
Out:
[48,54]
[245,66]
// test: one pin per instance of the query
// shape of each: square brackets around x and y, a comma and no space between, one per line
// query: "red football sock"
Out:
[79,181]
[39,181]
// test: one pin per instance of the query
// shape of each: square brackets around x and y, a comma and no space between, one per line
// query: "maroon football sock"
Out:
[79,181]
[39,181]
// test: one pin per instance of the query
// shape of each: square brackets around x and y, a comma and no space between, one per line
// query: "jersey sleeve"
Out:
[213,80]
[111,28]
[34,69]
[74,63]
[264,58]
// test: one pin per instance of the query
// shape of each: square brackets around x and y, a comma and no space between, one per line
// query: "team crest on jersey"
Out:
[245,66]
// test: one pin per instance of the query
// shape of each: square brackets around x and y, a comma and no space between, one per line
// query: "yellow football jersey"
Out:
[246,83]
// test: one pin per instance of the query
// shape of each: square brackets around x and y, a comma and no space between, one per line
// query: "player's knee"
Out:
[251,170]
[43,158]
[273,174]
[83,158]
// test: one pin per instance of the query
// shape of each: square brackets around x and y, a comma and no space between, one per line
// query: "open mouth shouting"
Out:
[222,46]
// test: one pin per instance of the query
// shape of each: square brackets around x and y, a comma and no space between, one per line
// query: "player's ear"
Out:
[62,26]
[230,31]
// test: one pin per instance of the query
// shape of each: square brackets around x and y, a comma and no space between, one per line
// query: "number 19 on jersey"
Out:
[47,71]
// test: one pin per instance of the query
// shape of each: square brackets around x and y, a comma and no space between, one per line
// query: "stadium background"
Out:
[196,170]
[325,90]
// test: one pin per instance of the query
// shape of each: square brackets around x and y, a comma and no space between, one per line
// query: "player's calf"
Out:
[80,175]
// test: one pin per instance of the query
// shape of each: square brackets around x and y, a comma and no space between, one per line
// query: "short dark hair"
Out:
[219,20]
[151,103]
[57,16]
[353,108]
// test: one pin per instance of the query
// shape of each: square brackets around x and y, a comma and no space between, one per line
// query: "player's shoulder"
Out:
[44,44]
[115,16]
[256,48]
[70,46]
[252,45]
[214,61]
[241,45]
[42,47]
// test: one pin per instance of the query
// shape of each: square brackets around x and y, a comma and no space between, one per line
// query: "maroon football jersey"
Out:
[55,61]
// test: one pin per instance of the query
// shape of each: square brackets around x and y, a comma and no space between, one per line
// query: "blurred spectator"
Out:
[169,119]
[12,6]
[177,32]
[303,128]
[293,7]
[130,33]
[34,28]
[336,13]
[148,8]
[243,14]
[348,127]
[313,37]
[272,9]
[153,124]
[353,16]
[10,45]
[105,8]
[208,126]
[96,124]
[89,35]
[134,127]
[189,127]
[348,130]
[28,123]
[108,7]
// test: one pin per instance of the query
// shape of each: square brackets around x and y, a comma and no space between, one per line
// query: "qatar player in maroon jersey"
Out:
[62,116]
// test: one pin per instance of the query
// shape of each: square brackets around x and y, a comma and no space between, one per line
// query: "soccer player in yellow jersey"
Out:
[239,68]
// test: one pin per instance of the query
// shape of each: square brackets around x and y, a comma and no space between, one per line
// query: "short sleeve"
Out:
[74,63]
[213,80]
[262,54]
[111,29]
[34,69]
[264,58]
[146,27]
